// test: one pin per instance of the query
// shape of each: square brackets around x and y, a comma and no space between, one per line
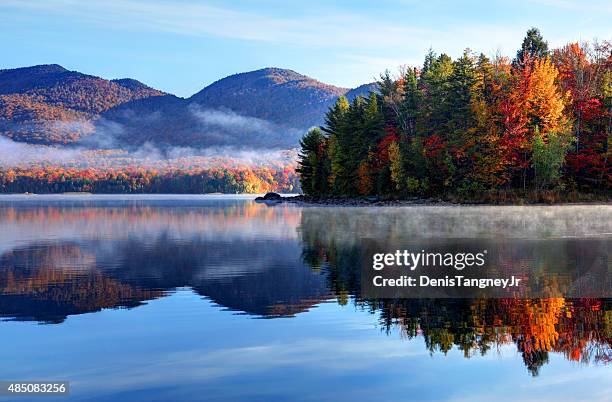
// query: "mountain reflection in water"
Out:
[62,258]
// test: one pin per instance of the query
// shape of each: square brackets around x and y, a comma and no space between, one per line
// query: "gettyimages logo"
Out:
[412,261]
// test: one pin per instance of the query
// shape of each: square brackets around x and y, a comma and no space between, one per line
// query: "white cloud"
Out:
[203,20]
[347,30]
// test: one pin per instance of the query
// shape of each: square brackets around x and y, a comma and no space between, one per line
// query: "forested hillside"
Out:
[48,104]
[473,128]
[267,108]
[119,136]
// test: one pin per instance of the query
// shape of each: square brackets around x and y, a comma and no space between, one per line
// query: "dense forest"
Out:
[475,128]
[45,169]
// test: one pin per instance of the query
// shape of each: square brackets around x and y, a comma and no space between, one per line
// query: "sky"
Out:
[180,46]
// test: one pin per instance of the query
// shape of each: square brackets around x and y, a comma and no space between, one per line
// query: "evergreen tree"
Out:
[435,85]
[462,93]
[534,47]
[350,149]
[462,123]
[338,144]
[410,102]
[430,58]
[373,121]
[373,134]
[311,163]
[334,118]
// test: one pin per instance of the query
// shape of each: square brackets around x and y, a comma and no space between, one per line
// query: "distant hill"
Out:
[362,90]
[269,108]
[49,104]
[274,94]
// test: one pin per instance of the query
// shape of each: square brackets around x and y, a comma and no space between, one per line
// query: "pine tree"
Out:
[462,88]
[534,47]
[373,132]
[374,121]
[410,102]
[462,123]
[311,163]
[338,143]
[350,149]
[391,93]
[435,86]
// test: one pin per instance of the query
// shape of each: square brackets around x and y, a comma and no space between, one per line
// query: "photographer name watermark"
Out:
[469,273]
[455,281]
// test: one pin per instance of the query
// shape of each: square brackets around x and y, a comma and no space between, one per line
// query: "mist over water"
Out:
[465,222]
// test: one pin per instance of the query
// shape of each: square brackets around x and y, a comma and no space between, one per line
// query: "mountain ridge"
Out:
[268,107]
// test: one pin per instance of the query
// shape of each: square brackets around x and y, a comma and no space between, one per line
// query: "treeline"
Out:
[139,180]
[472,128]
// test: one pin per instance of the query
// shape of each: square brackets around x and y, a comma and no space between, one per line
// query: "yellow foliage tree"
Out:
[544,101]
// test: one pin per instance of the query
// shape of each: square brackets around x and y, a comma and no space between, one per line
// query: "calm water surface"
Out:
[186,298]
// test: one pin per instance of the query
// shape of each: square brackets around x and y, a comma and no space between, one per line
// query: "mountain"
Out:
[267,108]
[49,104]
[280,96]
[362,90]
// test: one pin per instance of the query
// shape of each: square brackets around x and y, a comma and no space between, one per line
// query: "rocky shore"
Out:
[275,198]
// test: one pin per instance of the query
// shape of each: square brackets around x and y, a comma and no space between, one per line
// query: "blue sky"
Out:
[181,46]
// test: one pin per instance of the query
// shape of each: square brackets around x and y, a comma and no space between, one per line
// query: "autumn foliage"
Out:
[473,127]
[135,180]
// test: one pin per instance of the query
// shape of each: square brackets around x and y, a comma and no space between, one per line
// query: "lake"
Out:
[219,298]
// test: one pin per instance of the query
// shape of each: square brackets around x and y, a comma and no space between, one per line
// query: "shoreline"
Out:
[273,199]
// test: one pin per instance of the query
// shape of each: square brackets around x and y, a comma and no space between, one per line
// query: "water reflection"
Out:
[60,259]
[64,260]
[527,240]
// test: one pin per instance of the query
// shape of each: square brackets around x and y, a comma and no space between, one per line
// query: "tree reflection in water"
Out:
[580,329]
[282,261]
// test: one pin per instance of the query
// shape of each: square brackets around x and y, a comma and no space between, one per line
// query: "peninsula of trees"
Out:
[536,127]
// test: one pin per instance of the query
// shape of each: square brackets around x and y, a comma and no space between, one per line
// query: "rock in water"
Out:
[270,197]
